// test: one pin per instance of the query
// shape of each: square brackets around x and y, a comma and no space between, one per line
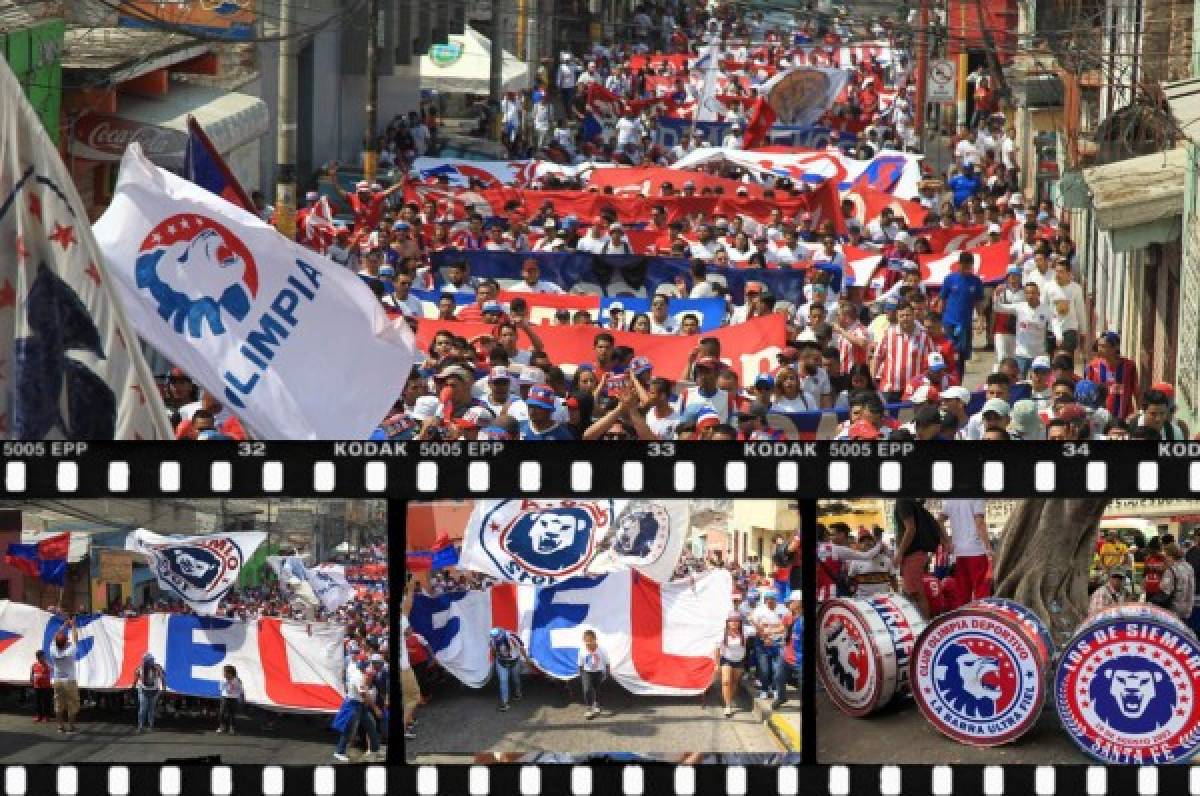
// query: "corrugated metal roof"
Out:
[17,16]
[1138,190]
[123,53]
[1183,96]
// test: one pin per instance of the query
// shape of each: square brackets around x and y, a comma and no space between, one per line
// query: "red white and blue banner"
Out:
[261,322]
[71,366]
[619,275]
[200,570]
[285,665]
[659,638]
[898,173]
[748,348]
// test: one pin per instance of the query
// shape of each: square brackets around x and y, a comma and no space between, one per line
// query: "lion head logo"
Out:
[845,659]
[637,532]
[197,271]
[198,573]
[1132,696]
[550,541]
[195,566]
[968,681]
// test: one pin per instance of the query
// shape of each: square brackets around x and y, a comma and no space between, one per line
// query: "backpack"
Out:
[927,538]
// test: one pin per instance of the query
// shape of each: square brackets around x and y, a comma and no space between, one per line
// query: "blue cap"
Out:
[401,225]
[387,270]
[765,380]
[1087,393]
[493,306]
[890,305]
[496,632]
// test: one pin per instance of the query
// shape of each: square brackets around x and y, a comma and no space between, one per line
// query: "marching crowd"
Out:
[884,356]
[760,642]
[55,694]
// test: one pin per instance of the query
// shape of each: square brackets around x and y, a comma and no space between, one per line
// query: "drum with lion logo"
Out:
[865,645]
[979,674]
[1125,687]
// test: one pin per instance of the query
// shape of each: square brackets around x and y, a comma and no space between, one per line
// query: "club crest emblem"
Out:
[978,676]
[1125,691]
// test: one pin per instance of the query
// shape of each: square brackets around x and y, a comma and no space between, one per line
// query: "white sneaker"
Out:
[340,758]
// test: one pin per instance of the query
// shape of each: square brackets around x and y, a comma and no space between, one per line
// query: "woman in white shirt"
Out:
[789,397]
[730,656]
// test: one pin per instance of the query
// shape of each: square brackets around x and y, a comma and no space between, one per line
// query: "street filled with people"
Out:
[672,260]
[153,702]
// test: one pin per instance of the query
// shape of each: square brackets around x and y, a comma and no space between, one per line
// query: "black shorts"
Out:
[735,664]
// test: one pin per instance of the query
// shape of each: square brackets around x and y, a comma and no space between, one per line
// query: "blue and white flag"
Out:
[649,536]
[70,366]
[327,581]
[275,331]
[544,542]
[200,570]
[539,542]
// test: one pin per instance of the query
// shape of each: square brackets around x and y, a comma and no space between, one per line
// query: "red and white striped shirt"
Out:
[900,358]
[850,354]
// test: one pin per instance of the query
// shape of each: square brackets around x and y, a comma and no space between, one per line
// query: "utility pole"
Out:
[370,153]
[496,61]
[285,136]
[922,70]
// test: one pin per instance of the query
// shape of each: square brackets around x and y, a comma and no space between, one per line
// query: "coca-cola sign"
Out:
[99,137]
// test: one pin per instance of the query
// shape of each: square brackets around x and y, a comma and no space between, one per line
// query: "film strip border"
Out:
[186,779]
[785,780]
[494,469]
[589,780]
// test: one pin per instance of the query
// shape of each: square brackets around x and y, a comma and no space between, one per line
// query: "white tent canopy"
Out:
[468,73]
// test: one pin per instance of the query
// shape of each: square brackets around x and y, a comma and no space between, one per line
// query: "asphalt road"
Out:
[462,721]
[900,734]
[110,738]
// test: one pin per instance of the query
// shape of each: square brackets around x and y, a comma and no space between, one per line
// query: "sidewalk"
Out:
[783,723]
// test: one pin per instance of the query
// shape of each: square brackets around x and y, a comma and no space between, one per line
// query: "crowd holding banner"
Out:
[313,640]
[567,589]
[852,276]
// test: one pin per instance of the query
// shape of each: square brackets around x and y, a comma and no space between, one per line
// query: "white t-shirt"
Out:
[961,513]
[733,648]
[356,683]
[801,403]
[590,244]
[62,662]
[1031,327]
[663,427]
[966,153]
[629,131]
[881,565]
[542,286]
[816,386]
[592,661]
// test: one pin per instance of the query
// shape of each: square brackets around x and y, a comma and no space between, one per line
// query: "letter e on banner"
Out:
[184,653]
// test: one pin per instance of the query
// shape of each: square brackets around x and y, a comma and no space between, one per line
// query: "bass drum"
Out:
[1125,686]
[980,675]
[865,645]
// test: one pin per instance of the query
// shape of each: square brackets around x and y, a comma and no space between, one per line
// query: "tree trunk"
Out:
[1044,558]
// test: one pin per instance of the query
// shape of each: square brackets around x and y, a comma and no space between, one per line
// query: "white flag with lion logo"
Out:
[294,345]
[199,570]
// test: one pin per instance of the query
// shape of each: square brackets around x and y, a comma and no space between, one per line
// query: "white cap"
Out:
[960,393]
[532,376]
[903,237]
[936,360]
[616,305]
[426,407]
[994,228]
[499,373]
